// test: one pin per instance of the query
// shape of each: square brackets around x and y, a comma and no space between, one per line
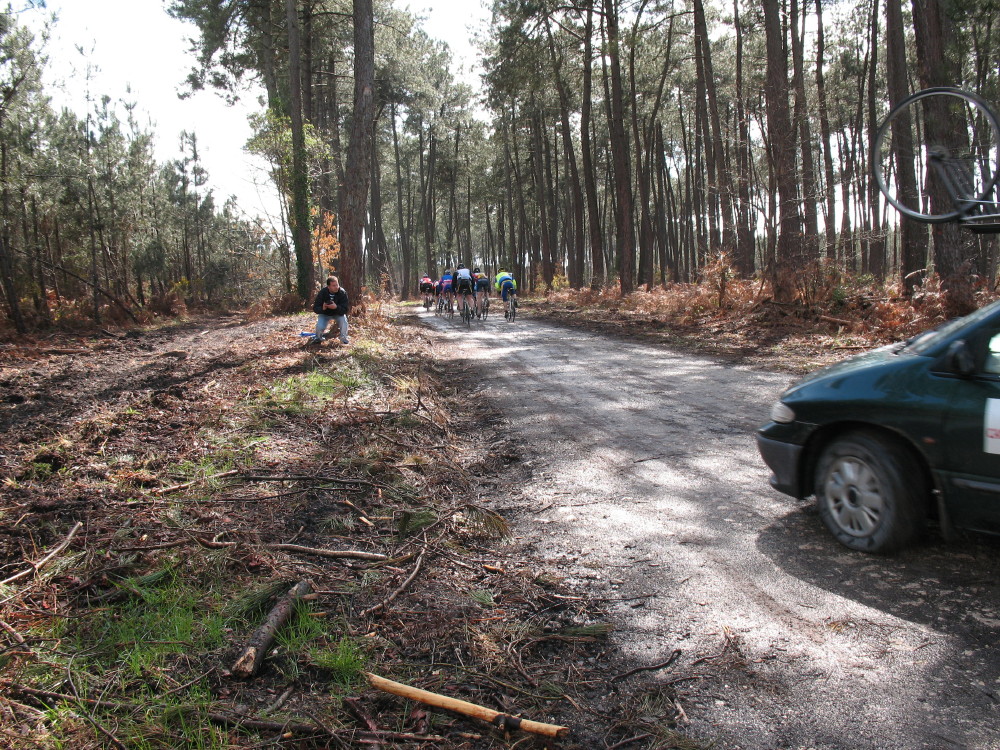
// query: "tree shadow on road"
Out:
[952,588]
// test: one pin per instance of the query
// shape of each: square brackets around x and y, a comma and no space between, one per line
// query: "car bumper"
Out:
[783,460]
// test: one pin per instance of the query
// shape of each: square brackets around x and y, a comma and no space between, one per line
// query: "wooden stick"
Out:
[653,668]
[347,553]
[13,633]
[253,656]
[502,720]
[174,488]
[35,567]
[402,587]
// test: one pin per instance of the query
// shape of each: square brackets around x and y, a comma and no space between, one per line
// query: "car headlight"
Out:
[782,414]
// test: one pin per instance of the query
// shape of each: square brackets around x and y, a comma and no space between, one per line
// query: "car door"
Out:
[972,438]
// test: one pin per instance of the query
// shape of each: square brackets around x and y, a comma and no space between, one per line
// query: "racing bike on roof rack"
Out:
[936,158]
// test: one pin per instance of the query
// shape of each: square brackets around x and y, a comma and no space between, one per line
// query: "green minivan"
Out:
[892,438]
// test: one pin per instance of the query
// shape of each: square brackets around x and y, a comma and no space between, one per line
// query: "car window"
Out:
[991,365]
[924,341]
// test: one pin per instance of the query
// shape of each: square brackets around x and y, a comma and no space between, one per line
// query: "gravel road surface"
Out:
[642,483]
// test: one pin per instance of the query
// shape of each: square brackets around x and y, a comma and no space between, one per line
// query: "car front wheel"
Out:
[870,493]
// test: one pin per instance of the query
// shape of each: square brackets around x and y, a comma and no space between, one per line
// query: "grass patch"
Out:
[299,394]
[344,662]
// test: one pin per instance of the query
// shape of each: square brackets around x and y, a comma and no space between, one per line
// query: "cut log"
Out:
[496,718]
[260,642]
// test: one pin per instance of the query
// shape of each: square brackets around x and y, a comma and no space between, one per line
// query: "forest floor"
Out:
[165,487]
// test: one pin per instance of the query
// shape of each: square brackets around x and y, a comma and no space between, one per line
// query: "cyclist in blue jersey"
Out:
[482,290]
[447,281]
[504,283]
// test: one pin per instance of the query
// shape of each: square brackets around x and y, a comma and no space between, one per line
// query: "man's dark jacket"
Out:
[324,296]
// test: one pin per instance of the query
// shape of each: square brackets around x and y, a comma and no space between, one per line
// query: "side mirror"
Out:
[959,359]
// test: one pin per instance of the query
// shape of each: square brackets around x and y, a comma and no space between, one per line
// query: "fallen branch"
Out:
[252,657]
[13,633]
[345,553]
[289,728]
[174,488]
[653,668]
[498,719]
[219,717]
[306,478]
[361,516]
[398,591]
[46,695]
[35,567]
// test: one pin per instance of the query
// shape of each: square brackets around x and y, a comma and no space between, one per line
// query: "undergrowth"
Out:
[200,511]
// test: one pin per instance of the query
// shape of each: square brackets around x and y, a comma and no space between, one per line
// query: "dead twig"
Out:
[289,729]
[628,741]
[652,668]
[402,587]
[35,567]
[46,695]
[13,633]
[496,718]
[175,487]
[348,554]
[90,717]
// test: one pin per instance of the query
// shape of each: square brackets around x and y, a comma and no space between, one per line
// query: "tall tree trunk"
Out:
[912,251]
[406,249]
[541,188]
[301,231]
[714,148]
[781,138]
[576,191]
[830,213]
[876,238]
[620,154]
[934,35]
[744,255]
[586,154]
[381,258]
[809,191]
[358,172]
[7,272]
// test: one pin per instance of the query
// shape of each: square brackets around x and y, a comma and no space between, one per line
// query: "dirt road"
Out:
[643,483]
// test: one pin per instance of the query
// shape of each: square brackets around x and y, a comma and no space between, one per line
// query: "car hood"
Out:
[868,360]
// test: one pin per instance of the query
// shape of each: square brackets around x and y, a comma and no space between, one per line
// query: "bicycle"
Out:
[510,309]
[936,158]
[467,311]
[428,300]
[485,309]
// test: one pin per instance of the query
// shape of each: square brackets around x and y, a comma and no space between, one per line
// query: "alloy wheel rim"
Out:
[854,496]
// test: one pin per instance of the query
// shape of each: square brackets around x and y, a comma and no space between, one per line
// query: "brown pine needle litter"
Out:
[258,461]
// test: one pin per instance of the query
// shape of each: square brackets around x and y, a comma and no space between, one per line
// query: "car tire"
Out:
[870,493]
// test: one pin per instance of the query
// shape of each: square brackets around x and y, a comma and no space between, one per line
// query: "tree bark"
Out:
[788,262]
[934,36]
[358,172]
[301,230]
[911,250]
[253,655]
[586,154]
[620,154]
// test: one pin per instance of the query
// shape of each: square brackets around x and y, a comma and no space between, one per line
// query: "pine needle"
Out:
[488,522]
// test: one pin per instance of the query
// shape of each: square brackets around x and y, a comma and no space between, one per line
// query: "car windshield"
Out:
[924,341]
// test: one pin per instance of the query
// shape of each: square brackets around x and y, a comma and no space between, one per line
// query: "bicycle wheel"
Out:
[486,308]
[936,155]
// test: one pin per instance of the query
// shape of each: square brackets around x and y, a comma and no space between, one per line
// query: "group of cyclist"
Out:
[452,286]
